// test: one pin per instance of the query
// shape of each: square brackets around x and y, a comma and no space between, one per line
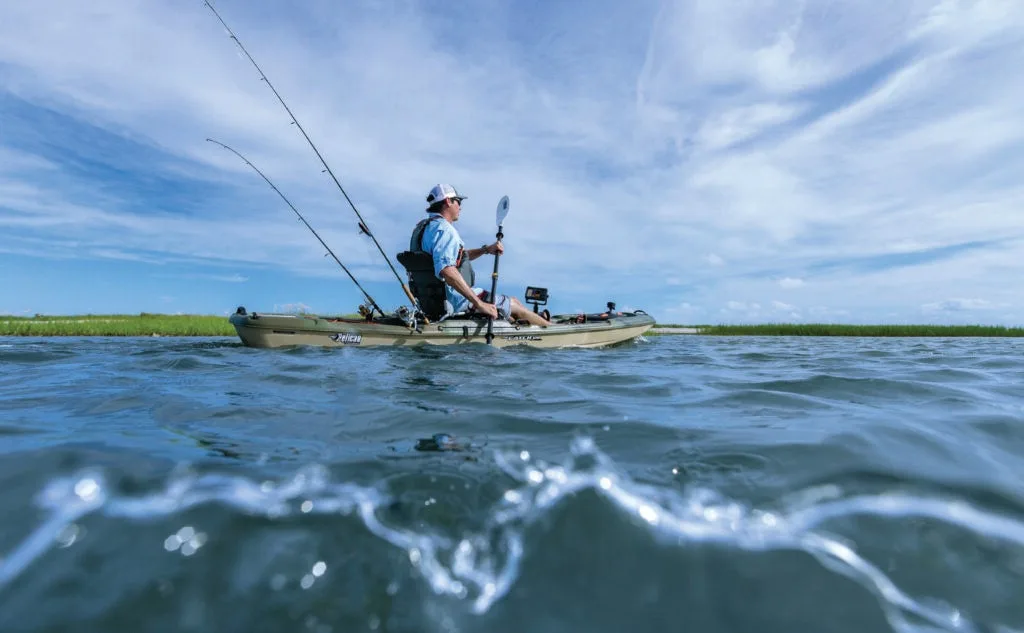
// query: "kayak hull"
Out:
[290,330]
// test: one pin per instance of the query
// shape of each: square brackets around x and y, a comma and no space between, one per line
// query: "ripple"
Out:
[481,562]
[700,439]
[12,430]
[28,355]
[795,403]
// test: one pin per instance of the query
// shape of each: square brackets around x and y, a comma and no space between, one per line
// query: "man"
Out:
[444,243]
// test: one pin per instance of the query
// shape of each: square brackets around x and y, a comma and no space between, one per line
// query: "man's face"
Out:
[456,207]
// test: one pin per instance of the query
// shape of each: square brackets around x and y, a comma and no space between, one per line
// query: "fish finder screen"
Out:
[536,294]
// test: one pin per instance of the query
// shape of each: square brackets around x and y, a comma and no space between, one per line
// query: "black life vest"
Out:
[419,266]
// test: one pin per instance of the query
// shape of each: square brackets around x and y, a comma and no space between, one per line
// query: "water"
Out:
[672,484]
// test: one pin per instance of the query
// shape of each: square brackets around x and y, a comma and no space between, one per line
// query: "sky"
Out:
[707,161]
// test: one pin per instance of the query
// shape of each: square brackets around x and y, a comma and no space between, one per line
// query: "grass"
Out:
[836,329]
[143,324]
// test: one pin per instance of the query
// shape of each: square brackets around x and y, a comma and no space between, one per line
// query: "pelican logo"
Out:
[347,339]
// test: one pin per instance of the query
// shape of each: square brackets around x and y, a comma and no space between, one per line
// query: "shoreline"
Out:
[146,324]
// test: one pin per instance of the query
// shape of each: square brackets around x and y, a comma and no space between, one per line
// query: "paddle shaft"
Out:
[494,289]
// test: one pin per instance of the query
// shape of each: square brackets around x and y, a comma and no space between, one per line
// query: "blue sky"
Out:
[707,161]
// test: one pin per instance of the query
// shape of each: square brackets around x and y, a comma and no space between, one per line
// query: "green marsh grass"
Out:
[143,324]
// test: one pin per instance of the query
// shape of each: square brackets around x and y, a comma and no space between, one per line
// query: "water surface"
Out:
[676,483]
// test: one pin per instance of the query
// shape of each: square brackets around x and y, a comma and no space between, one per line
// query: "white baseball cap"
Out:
[441,192]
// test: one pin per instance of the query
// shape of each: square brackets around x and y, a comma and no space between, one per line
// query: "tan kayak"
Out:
[568,330]
[378,328]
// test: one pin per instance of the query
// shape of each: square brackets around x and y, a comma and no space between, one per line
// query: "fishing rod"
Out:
[362,224]
[365,294]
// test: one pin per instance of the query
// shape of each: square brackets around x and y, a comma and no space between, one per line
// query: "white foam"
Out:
[482,567]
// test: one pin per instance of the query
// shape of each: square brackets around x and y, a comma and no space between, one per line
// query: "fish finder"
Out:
[536,296]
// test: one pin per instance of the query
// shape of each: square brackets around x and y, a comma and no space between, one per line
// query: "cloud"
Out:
[774,311]
[293,308]
[877,153]
[742,123]
[824,312]
[740,306]
[232,278]
[959,305]
[683,309]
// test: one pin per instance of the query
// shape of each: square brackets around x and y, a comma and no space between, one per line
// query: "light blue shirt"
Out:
[442,240]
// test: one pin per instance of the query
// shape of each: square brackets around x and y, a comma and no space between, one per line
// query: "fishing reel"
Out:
[408,317]
[365,311]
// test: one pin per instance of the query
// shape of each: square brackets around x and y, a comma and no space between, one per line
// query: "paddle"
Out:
[501,213]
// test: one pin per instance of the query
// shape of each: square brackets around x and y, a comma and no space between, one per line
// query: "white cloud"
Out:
[683,309]
[293,308]
[825,312]
[959,305]
[742,123]
[793,137]
[232,279]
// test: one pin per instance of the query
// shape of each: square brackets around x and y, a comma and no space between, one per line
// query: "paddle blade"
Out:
[502,210]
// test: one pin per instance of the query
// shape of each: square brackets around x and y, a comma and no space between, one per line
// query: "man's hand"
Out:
[496,249]
[487,308]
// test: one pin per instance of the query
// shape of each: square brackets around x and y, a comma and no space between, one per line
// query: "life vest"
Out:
[419,266]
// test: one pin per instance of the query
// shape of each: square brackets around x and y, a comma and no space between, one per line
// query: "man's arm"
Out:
[445,251]
[454,279]
[489,249]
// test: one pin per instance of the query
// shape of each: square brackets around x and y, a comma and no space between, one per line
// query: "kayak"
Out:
[267,330]
[422,324]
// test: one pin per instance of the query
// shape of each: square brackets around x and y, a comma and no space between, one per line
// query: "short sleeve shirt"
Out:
[442,241]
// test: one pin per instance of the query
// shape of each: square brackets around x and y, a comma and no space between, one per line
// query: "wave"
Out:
[481,566]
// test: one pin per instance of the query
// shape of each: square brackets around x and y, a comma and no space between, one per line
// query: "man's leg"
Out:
[519,311]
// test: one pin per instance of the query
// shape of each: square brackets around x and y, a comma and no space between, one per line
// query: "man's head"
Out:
[445,199]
